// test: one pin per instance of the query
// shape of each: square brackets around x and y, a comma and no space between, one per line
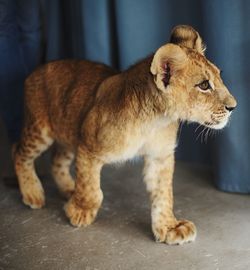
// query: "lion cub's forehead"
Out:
[203,63]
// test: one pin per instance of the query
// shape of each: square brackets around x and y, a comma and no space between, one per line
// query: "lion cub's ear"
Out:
[168,60]
[186,36]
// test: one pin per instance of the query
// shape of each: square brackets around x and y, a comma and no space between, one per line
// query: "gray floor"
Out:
[121,237]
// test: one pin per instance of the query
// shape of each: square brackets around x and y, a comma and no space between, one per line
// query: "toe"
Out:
[34,200]
[184,232]
[79,216]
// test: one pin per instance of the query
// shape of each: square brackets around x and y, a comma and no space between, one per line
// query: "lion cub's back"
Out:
[60,92]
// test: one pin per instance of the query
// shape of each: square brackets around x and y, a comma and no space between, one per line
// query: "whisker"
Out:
[204,135]
[197,128]
[201,133]
[180,129]
[197,137]
[213,133]
[207,134]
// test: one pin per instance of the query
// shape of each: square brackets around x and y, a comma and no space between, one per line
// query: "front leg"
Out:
[158,174]
[86,200]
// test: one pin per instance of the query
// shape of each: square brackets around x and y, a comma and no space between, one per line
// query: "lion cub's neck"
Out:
[133,93]
[140,92]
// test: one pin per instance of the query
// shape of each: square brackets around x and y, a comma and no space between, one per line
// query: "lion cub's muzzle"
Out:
[221,117]
[218,115]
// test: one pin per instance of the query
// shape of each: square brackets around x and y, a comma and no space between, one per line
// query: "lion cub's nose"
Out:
[230,103]
[230,108]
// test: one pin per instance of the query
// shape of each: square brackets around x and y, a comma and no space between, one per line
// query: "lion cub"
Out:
[97,115]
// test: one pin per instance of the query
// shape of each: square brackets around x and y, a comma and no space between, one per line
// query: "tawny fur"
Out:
[99,116]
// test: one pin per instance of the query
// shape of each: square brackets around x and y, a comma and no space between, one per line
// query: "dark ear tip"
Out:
[183,27]
[187,36]
[182,34]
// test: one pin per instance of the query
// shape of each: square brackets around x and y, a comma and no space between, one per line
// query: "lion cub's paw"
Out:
[33,196]
[183,232]
[79,216]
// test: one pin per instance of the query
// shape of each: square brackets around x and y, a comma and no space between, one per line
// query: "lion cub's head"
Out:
[191,83]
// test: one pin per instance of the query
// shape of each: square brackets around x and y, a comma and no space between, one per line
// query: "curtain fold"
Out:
[121,32]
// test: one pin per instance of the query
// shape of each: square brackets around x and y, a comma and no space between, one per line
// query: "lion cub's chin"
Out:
[219,125]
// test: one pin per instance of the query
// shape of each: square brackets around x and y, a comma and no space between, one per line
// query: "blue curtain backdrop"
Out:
[20,48]
[120,32]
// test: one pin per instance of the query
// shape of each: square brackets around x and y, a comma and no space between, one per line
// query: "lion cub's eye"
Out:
[205,85]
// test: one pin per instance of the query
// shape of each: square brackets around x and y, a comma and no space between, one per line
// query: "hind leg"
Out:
[35,140]
[62,160]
